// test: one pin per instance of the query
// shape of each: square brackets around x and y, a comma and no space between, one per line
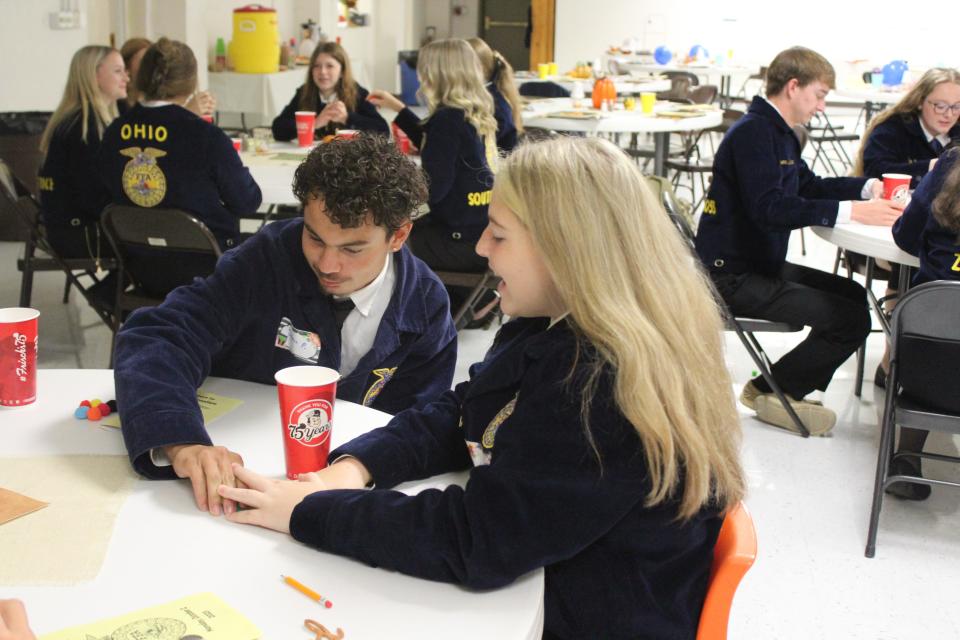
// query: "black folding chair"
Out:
[479,283]
[745,328]
[157,250]
[922,388]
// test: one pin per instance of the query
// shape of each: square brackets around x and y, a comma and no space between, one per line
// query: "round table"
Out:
[545,114]
[705,70]
[162,548]
[625,85]
[873,99]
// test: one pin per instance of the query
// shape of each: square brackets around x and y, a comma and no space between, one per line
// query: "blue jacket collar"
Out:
[762,108]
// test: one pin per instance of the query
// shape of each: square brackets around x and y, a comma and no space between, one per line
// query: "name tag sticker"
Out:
[157,242]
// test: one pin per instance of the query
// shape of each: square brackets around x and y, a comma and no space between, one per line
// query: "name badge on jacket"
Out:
[304,345]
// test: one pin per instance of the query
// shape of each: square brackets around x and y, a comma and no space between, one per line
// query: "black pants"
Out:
[835,309]
[444,250]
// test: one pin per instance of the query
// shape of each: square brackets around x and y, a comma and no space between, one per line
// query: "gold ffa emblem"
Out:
[490,433]
[143,181]
[383,377]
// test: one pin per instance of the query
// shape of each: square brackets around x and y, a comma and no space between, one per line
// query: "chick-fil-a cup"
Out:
[18,356]
[307,394]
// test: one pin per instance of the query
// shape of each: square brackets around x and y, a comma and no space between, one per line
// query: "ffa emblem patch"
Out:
[143,181]
[383,377]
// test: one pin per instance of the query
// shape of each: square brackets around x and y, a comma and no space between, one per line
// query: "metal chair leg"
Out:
[883,464]
[66,291]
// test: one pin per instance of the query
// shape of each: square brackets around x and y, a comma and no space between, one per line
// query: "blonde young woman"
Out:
[72,195]
[503,89]
[457,142]
[587,455]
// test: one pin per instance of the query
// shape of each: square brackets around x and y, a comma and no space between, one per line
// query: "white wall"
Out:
[754,31]
[33,67]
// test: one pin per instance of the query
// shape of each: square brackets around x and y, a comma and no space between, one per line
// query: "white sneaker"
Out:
[818,420]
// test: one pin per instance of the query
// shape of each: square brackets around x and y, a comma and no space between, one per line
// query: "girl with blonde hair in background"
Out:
[330,92]
[503,89]
[457,142]
[72,195]
[600,430]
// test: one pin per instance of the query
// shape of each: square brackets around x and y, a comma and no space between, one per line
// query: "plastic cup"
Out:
[306,122]
[347,133]
[543,70]
[553,70]
[18,356]
[647,102]
[207,118]
[896,186]
[237,144]
[307,394]
[876,80]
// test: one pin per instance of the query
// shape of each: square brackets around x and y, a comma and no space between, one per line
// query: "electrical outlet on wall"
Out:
[66,20]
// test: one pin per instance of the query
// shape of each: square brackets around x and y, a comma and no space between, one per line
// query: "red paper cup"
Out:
[237,142]
[896,186]
[347,133]
[306,121]
[307,394]
[18,356]
[207,118]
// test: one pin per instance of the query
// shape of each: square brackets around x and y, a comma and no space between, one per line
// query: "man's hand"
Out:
[13,621]
[269,503]
[382,98]
[208,468]
[876,212]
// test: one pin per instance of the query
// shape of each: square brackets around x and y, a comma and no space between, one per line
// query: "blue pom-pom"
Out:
[81,413]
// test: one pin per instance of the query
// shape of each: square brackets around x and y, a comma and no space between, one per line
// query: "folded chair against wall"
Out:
[733,555]
[923,391]
[157,251]
[744,327]
[81,273]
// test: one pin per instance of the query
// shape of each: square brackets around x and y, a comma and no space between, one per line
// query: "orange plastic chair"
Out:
[734,554]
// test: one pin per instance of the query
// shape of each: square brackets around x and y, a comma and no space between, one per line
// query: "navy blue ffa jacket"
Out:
[918,233]
[454,158]
[71,190]
[503,114]
[761,191]
[536,497]
[898,145]
[253,317]
[169,157]
[364,118]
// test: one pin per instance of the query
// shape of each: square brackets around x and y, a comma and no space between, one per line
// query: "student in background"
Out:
[202,103]
[160,154]
[331,92]
[761,190]
[587,456]
[72,194]
[930,230]
[13,621]
[457,143]
[502,87]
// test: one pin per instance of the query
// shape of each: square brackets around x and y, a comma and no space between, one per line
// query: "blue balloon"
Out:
[699,52]
[893,72]
[662,55]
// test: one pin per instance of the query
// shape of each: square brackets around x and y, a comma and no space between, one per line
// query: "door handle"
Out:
[487,23]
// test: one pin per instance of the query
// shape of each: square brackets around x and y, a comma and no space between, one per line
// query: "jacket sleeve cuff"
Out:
[145,433]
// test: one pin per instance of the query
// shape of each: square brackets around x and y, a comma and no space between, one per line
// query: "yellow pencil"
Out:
[307,591]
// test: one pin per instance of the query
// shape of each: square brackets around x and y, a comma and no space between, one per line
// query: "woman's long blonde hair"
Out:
[82,96]
[497,70]
[450,76]
[637,295]
[909,104]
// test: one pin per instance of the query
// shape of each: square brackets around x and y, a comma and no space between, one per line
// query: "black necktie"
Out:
[937,146]
[341,309]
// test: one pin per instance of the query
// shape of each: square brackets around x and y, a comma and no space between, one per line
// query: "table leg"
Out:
[661,146]
[868,109]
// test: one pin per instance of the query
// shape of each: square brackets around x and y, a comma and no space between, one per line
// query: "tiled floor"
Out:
[809,498]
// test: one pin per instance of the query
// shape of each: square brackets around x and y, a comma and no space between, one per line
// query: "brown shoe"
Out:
[818,419]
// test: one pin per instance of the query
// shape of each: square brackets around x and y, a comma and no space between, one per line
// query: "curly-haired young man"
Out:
[336,288]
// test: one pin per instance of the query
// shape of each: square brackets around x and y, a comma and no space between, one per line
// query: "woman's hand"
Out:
[269,503]
[336,111]
[202,103]
[382,98]
[13,621]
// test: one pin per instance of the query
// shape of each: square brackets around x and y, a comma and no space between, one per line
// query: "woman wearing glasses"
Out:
[910,136]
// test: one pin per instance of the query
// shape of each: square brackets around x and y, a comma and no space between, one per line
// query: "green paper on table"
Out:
[212,406]
[202,615]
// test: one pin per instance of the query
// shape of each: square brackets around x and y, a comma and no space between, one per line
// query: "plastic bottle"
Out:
[220,62]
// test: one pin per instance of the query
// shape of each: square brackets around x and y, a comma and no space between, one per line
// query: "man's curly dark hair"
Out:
[362,175]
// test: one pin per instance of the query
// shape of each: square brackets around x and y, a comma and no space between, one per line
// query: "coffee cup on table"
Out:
[306,122]
[307,395]
[18,356]
[896,187]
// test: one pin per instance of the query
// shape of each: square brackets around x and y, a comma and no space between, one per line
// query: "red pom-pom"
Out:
[104,410]
[85,403]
